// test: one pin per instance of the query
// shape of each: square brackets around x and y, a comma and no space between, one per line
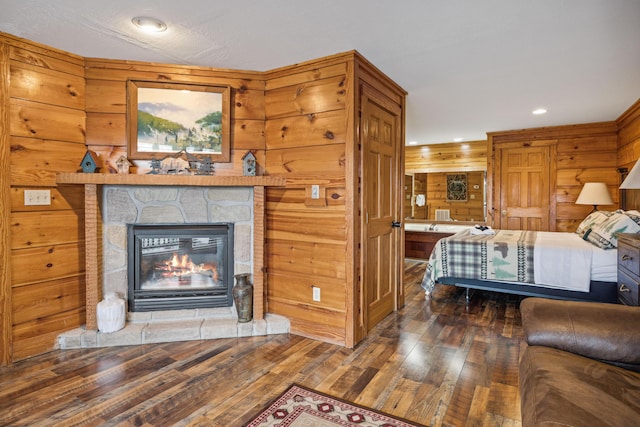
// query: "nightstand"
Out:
[628,268]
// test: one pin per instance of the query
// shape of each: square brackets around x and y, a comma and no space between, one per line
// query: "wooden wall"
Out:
[311,138]
[436,159]
[629,147]
[306,242]
[585,153]
[447,157]
[107,96]
[420,187]
[470,210]
[46,135]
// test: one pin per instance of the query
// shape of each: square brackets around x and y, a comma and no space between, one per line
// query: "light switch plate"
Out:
[315,191]
[37,197]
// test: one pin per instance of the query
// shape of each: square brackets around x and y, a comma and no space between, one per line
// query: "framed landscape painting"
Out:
[168,118]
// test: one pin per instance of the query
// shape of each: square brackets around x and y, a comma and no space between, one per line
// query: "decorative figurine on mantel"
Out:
[123,165]
[90,162]
[249,164]
[155,167]
[206,167]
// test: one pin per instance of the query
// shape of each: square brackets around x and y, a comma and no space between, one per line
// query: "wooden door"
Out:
[525,188]
[382,206]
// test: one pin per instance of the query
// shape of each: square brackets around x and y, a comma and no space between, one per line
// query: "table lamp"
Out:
[595,193]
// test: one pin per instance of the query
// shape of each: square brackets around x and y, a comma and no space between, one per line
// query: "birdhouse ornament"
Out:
[249,164]
[123,165]
[89,162]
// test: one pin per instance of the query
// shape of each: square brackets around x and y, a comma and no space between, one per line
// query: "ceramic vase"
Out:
[243,297]
[111,313]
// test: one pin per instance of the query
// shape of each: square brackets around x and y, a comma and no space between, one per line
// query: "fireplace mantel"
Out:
[173,180]
[93,223]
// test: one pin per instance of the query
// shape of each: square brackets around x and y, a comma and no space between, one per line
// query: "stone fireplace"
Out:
[176,214]
[189,202]
[179,266]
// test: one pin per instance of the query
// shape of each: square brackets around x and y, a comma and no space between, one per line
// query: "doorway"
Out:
[382,191]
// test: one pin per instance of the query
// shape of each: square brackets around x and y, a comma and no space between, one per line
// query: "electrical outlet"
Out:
[315,191]
[37,197]
[316,293]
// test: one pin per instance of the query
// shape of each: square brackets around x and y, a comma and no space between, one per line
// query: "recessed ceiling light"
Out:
[458,139]
[539,111]
[148,24]
[413,142]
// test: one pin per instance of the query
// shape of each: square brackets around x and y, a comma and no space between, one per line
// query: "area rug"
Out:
[300,406]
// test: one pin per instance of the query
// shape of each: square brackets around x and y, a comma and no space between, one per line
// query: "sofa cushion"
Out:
[561,388]
[608,332]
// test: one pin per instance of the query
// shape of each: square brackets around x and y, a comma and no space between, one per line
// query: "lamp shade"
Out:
[632,181]
[594,193]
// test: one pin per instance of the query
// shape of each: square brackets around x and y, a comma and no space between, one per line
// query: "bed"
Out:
[558,265]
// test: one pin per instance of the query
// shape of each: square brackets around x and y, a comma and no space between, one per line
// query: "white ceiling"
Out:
[470,66]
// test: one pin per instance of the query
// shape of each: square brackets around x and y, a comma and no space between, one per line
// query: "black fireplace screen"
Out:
[172,267]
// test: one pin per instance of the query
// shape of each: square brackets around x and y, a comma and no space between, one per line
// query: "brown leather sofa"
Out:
[582,364]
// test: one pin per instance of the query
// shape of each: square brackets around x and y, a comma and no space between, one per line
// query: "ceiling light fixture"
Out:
[150,25]
[458,139]
[413,142]
[539,111]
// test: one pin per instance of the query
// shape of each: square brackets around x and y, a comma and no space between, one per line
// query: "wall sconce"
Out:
[594,193]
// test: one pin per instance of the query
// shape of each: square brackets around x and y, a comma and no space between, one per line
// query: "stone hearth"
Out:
[167,204]
[176,325]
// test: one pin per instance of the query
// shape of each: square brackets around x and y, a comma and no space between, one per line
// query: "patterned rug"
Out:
[300,406]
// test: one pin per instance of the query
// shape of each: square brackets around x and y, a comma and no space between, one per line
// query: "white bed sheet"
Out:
[566,261]
[604,264]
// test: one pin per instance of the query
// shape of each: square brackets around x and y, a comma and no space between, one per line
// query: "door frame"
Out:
[493,187]
[370,94]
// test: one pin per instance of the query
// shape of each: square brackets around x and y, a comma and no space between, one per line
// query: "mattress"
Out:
[557,260]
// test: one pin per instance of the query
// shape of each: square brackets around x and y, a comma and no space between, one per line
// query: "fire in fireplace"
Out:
[180,266]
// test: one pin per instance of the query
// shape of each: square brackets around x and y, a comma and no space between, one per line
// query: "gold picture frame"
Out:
[164,119]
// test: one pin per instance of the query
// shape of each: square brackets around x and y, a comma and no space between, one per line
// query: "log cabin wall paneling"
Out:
[311,138]
[434,161]
[46,135]
[107,107]
[629,147]
[471,209]
[447,157]
[306,139]
[585,153]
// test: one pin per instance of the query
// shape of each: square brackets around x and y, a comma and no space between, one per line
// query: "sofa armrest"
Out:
[606,332]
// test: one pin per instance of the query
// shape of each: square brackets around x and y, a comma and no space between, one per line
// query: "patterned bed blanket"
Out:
[507,255]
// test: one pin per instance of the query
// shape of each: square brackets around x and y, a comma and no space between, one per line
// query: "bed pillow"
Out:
[605,234]
[594,218]
[634,215]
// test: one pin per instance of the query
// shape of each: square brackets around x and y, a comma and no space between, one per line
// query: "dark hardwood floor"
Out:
[438,362]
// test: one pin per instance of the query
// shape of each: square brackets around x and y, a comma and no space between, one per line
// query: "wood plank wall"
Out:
[306,137]
[47,135]
[107,106]
[311,138]
[585,153]
[629,147]
[437,159]
[447,157]
[470,210]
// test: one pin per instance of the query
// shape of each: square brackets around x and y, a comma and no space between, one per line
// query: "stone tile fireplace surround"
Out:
[120,205]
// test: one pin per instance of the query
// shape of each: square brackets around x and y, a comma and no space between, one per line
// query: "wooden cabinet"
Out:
[418,244]
[628,268]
